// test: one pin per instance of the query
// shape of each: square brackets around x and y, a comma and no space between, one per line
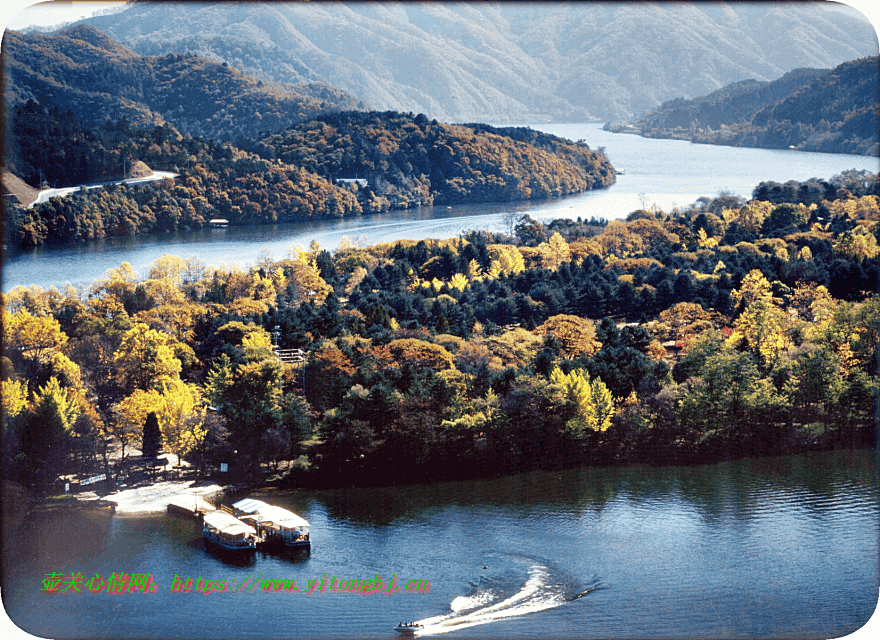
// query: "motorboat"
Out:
[408,627]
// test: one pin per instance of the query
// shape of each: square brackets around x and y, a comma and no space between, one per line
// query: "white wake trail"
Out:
[535,595]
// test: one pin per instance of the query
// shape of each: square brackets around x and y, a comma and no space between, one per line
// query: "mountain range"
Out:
[82,70]
[503,62]
[82,108]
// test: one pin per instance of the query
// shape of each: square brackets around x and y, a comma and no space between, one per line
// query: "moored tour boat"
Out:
[274,524]
[228,532]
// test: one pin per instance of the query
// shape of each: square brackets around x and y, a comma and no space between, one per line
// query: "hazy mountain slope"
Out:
[83,70]
[735,103]
[810,109]
[504,62]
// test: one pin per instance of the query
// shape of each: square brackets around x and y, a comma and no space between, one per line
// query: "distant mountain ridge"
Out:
[836,111]
[733,103]
[97,78]
[508,62]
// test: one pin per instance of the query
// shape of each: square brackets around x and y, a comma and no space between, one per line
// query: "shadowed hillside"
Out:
[98,79]
[809,109]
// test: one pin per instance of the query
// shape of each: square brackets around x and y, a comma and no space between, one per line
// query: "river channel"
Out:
[667,173]
[777,547]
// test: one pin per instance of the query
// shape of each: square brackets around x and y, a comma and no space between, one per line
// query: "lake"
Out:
[774,547]
[667,173]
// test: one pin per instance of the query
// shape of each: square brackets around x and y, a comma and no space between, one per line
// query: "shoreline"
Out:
[145,499]
[152,498]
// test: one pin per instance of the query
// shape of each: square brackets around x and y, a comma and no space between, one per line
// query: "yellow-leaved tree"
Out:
[458,281]
[766,327]
[515,348]
[145,358]
[576,335]
[750,216]
[619,240]
[704,240]
[35,339]
[554,252]
[14,398]
[590,400]
[506,259]
[119,284]
[753,287]
[859,243]
[475,271]
[309,286]
[177,319]
[179,408]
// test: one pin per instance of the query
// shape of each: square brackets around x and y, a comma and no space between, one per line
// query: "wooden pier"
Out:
[191,505]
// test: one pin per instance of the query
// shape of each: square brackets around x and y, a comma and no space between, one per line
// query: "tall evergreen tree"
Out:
[150,443]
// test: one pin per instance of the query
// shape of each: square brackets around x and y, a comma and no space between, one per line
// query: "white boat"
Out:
[274,524]
[408,627]
[228,532]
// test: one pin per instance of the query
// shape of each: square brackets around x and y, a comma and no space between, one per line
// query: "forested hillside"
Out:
[809,109]
[82,70]
[505,62]
[422,161]
[405,161]
[729,328]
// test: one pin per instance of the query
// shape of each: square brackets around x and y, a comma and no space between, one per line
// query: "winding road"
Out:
[46,194]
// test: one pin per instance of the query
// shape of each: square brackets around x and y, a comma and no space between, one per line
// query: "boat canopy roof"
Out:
[249,505]
[227,523]
[280,516]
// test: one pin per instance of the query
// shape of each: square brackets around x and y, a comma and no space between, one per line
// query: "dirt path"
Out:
[22,191]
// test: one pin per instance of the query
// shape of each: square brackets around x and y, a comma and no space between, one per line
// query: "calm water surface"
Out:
[668,173]
[768,548]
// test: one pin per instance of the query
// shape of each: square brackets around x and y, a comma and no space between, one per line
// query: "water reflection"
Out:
[292,555]
[56,533]
[569,490]
[715,494]
[231,558]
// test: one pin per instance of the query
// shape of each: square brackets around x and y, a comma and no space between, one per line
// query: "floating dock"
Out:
[191,505]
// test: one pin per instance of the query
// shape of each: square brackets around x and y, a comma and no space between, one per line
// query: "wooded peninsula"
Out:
[724,329]
[336,165]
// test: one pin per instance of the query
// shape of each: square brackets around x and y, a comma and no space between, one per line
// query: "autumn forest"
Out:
[727,328]
[304,172]
[723,329]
